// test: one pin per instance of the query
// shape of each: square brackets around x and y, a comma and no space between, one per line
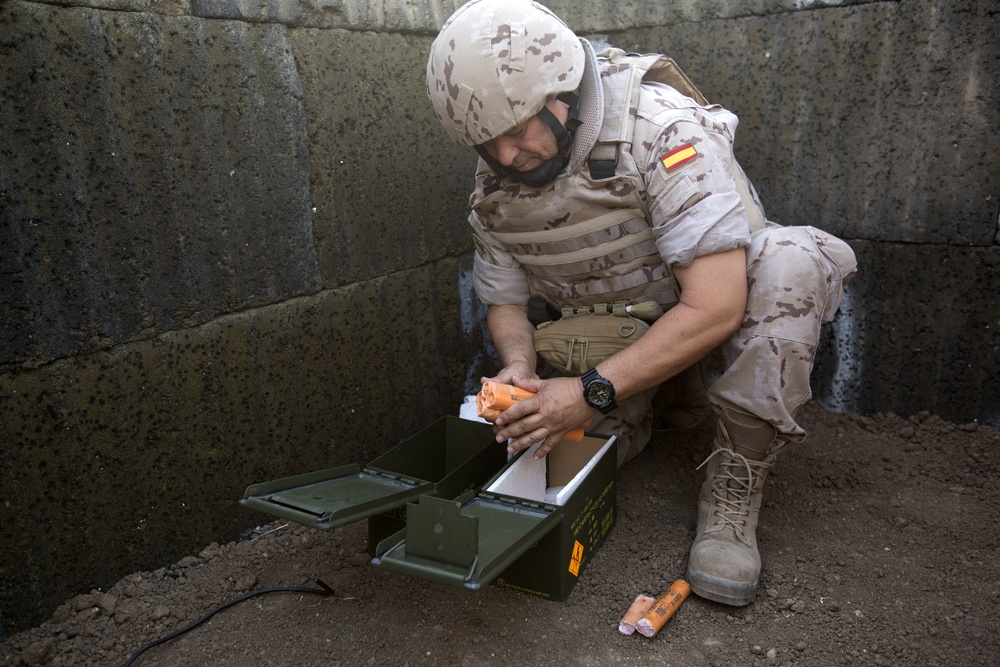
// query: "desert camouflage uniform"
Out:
[582,240]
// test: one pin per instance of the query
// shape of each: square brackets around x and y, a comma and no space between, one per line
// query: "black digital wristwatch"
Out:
[598,391]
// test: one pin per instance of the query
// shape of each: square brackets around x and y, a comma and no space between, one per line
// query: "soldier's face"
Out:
[528,145]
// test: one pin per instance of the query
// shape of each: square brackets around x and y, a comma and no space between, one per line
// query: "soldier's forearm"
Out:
[512,334]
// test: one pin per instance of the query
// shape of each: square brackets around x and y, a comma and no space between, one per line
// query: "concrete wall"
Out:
[233,244]
[878,122]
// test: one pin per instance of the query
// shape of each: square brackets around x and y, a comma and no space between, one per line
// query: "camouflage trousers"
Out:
[795,279]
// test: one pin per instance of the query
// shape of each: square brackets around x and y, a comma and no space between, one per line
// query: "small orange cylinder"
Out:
[640,606]
[656,618]
[489,414]
[495,397]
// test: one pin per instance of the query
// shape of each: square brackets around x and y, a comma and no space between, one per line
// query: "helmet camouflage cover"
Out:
[496,63]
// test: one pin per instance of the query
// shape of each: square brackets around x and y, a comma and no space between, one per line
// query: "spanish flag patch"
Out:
[679,156]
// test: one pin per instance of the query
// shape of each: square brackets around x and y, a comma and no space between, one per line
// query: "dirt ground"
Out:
[878,536]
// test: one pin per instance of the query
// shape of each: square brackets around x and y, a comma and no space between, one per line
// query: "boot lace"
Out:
[732,485]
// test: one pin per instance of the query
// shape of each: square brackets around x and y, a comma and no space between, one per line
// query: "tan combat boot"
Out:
[724,564]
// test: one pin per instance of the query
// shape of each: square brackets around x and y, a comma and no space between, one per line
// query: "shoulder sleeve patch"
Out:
[679,156]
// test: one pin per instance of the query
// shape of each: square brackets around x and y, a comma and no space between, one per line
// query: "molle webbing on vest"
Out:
[638,280]
[587,236]
[598,223]
[585,254]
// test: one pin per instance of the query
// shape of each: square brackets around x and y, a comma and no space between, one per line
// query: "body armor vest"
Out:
[586,238]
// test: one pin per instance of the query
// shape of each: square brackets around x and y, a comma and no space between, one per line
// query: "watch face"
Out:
[598,393]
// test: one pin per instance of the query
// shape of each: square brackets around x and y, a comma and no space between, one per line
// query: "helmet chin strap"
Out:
[547,171]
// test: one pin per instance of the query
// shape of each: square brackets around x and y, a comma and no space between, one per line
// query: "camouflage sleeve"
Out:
[693,197]
[498,278]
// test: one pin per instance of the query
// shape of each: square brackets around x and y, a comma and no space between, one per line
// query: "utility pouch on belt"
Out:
[587,335]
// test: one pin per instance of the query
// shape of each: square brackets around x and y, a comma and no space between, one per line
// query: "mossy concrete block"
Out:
[623,14]
[129,459]
[311,13]
[904,343]
[427,16]
[154,175]
[166,7]
[380,15]
[390,190]
[873,121]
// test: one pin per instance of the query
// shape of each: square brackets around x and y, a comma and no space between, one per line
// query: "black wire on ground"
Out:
[323,590]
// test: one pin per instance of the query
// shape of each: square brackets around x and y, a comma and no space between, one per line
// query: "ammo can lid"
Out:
[334,497]
[447,457]
[466,545]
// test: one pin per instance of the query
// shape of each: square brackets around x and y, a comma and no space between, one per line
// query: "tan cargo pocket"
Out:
[581,340]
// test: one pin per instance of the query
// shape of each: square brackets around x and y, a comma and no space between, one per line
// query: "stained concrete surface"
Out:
[225,239]
[876,121]
[145,449]
[156,176]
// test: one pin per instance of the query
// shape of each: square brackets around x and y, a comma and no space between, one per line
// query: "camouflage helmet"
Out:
[496,63]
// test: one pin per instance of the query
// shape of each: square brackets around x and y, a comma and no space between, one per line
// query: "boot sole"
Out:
[732,593]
